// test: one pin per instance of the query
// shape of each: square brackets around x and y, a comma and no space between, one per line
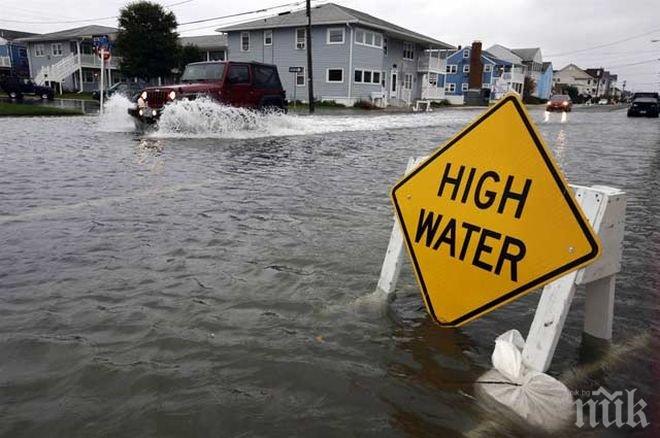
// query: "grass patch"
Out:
[22,109]
[80,96]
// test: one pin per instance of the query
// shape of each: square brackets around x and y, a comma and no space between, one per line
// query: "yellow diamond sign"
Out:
[489,217]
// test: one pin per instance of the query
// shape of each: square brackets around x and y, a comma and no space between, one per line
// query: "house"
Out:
[457,74]
[544,83]
[355,56]
[572,75]
[513,74]
[603,80]
[13,54]
[65,58]
[532,59]
[213,47]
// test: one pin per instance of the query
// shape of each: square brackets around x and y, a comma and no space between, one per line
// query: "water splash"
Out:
[546,116]
[205,118]
[564,117]
[115,117]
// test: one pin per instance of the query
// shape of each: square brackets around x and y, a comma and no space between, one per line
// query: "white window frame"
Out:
[52,49]
[451,68]
[343,35]
[327,75]
[432,82]
[466,53]
[39,50]
[408,48]
[298,75]
[450,87]
[407,81]
[466,68]
[486,85]
[364,42]
[268,34]
[372,82]
[249,38]
[464,86]
[297,44]
[488,68]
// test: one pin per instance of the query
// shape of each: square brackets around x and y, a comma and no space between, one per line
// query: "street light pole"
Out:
[310,75]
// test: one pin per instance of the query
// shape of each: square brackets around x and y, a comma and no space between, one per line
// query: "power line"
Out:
[87,20]
[600,46]
[221,17]
[634,63]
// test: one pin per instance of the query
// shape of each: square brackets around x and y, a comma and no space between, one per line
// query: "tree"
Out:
[187,54]
[147,40]
[529,86]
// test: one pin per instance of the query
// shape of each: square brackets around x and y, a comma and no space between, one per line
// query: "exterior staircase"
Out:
[58,71]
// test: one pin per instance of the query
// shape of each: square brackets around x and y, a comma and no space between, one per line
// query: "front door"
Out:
[394,86]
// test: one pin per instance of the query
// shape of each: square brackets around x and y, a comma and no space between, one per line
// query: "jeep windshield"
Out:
[203,72]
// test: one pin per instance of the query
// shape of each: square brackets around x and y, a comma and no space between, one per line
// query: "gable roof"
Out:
[11,35]
[205,41]
[575,71]
[330,13]
[505,54]
[527,54]
[76,32]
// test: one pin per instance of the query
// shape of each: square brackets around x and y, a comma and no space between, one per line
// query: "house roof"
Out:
[11,35]
[527,54]
[216,41]
[595,72]
[76,32]
[504,53]
[330,13]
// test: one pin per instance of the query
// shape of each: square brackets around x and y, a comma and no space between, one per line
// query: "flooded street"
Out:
[208,278]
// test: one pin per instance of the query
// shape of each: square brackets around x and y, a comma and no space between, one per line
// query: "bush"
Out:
[439,103]
[533,100]
[330,104]
[365,104]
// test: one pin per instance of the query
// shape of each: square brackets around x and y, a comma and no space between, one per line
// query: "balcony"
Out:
[93,61]
[5,61]
[431,61]
[431,92]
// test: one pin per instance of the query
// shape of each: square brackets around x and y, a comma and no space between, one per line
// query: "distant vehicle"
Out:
[242,84]
[559,102]
[644,107]
[128,89]
[603,102]
[16,88]
[651,94]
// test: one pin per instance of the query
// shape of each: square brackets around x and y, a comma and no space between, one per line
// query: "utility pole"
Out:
[599,74]
[310,75]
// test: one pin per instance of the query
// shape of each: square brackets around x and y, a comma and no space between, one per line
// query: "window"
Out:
[466,68]
[268,37]
[486,85]
[368,38]
[238,74]
[488,68]
[265,76]
[88,76]
[452,68]
[335,35]
[217,55]
[450,87]
[245,41]
[367,76]
[56,49]
[300,78]
[407,81]
[39,50]
[433,79]
[466,53]
[408,51]
[385,46]
[334,75]
[301,38]
[464,86]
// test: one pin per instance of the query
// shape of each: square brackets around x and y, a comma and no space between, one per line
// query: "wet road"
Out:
[202,280]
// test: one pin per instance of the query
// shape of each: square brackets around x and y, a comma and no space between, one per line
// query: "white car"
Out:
[603,102]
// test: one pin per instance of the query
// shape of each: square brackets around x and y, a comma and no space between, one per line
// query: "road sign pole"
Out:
[102,51]
[295,75]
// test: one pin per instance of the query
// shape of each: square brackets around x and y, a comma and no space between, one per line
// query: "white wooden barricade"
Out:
[605,208]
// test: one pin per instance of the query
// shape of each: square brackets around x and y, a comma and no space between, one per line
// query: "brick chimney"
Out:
[476,67]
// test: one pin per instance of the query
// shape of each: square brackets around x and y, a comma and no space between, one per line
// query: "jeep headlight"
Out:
[172,95]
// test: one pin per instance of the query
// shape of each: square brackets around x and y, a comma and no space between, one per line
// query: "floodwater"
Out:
[206,279]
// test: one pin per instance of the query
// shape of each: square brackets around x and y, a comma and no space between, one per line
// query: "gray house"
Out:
[65,59]
[213,47]
[355,56]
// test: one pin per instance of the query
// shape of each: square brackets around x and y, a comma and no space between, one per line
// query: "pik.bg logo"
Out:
[618,409]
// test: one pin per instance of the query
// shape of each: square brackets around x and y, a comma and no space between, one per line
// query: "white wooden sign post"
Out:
[605,209]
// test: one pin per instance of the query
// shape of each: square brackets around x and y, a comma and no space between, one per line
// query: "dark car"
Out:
[242,84]
[16,88]
[644,107]
[559,102]
[128,89]
[651,94]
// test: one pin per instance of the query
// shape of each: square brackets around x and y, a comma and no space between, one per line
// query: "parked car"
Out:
[17,87]
[559,102]
[644,107]
[243,84]
[128,89]
[651,94]
[603,102]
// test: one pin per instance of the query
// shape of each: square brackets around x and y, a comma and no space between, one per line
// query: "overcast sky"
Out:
[561,28]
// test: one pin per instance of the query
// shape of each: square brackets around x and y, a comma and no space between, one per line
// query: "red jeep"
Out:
[245,84]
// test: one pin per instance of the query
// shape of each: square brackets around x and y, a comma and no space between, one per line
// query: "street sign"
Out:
[296,69]
[489,217]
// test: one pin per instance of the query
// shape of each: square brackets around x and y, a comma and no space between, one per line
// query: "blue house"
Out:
[544,83]
[13,54]
[458,72]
